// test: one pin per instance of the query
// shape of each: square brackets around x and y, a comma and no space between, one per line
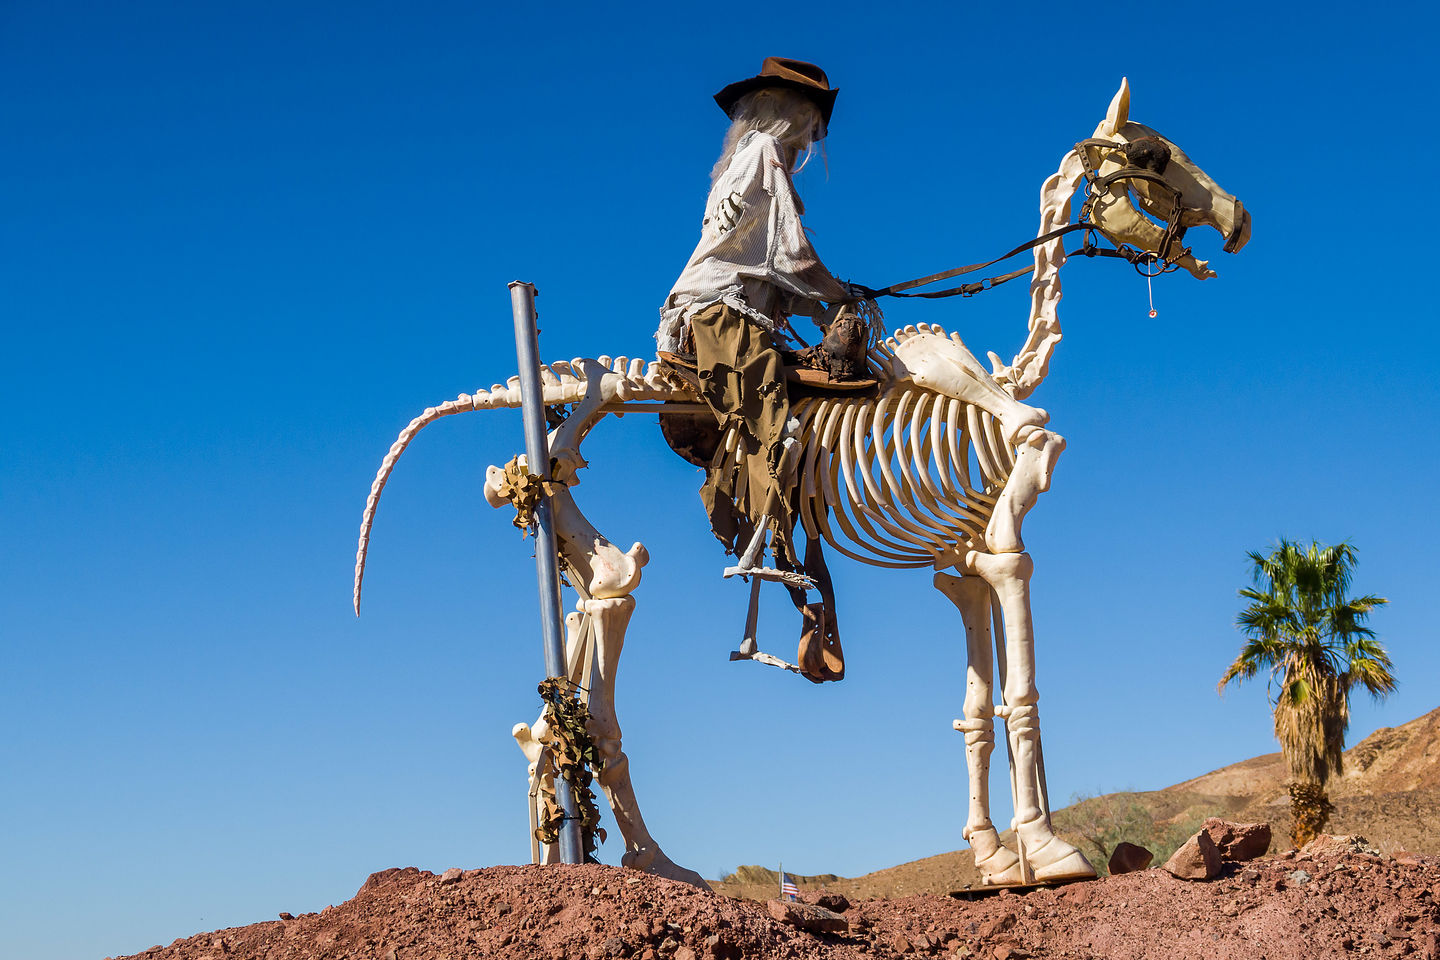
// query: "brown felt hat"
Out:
[790,74]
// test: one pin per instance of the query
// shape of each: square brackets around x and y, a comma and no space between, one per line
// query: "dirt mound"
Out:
[1337,900]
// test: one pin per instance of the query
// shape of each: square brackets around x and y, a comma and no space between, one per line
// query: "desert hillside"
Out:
[1389,793]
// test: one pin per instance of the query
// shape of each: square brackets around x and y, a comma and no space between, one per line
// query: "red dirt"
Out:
[1327,904]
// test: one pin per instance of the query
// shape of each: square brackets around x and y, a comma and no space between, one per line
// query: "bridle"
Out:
[1145,159]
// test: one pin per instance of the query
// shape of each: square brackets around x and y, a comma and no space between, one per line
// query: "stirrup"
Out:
[765,658]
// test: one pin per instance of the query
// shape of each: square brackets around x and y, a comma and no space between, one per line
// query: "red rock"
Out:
[1197,859]
[833,901]
[1331,845]
[1238,841]
[384,876]
[807,916]
[452,875]
[997,925]
[901,945]
[1129,857]
[684,953]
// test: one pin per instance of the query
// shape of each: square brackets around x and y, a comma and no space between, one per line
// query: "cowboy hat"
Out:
[805,78]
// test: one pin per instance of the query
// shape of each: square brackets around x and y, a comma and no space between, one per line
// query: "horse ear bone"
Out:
[1119,113]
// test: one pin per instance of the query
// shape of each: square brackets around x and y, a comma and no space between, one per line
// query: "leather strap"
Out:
[894,290]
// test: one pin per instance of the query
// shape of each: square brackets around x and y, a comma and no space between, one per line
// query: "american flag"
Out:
[788,888]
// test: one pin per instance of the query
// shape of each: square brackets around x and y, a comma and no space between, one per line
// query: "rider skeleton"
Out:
[753,268]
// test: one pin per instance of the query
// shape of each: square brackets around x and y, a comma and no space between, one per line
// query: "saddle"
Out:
[837,363]
[834,365]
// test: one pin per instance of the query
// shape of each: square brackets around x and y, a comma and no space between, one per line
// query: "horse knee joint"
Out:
[979,697]
[998,567]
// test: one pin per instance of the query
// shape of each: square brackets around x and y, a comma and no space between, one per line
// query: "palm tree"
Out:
[1312,639]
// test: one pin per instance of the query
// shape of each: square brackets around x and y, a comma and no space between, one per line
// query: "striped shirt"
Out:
[753,252]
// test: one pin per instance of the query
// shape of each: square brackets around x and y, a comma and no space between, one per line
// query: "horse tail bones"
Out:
[937,468]
[621,380]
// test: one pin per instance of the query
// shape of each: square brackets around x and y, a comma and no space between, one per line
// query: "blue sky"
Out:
[243,245]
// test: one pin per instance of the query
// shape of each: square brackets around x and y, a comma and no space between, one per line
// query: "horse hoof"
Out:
[1072,867]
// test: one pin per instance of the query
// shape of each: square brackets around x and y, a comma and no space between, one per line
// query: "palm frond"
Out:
[1300,625]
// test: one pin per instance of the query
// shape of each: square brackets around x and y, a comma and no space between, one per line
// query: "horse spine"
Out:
[1032,363]
[562,383]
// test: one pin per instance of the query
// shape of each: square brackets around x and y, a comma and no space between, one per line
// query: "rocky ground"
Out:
[1334,899]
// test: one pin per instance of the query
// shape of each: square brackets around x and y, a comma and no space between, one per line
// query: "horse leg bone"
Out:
[971,595]
[609,618]
[603,569]
[542,783]
[997,620]
[1047,855]
[608,576]
[531,740]
[1039,449]
[750,557]
[750,645]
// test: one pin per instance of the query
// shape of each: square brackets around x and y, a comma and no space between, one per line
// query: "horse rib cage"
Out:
[889,481]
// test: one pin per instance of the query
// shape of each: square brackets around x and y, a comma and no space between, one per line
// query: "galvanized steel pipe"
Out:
[547,567]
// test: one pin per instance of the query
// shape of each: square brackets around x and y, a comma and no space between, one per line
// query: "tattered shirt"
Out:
[753,252]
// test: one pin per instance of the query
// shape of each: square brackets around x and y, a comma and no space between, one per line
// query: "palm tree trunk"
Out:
[1310,809]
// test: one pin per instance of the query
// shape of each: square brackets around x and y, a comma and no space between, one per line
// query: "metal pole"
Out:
[547,569]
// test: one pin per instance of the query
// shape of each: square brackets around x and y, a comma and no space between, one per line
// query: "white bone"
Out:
[1119,113]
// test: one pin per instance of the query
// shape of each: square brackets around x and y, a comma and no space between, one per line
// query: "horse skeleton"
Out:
[938,470]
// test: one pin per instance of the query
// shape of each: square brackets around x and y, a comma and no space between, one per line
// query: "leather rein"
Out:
[1146,159]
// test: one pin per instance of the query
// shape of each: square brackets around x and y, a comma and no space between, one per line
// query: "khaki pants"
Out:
[742,379]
